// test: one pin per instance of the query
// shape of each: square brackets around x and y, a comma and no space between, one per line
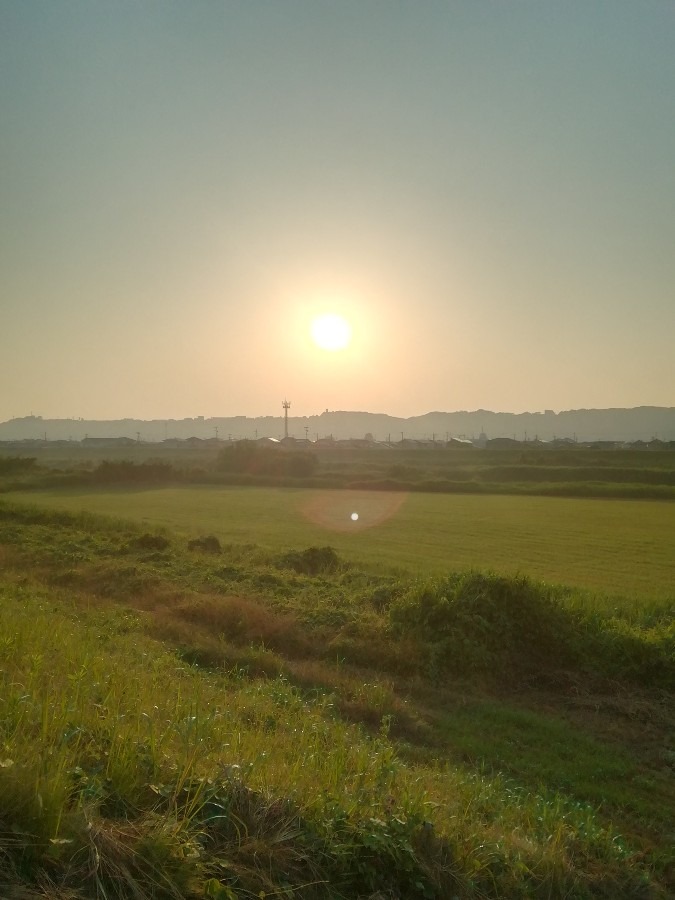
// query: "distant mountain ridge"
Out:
[637,423]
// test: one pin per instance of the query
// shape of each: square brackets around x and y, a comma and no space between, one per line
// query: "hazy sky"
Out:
[485,190]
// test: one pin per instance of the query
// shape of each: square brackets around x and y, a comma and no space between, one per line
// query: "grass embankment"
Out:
[250,722]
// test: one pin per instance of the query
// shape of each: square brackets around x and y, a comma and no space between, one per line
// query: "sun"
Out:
[331,332]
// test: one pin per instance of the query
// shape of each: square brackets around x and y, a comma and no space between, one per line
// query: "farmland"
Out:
[607,546]
[236,692]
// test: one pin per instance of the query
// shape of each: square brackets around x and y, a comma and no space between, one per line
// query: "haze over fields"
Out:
[479,196]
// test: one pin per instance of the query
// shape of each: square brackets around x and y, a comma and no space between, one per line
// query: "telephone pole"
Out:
[286,405]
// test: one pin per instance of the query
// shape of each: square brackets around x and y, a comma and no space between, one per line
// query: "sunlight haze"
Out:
[484,193]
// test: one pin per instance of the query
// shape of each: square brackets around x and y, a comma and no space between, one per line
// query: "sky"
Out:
[485,191]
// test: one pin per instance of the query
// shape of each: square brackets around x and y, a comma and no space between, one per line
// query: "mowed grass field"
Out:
[615,547]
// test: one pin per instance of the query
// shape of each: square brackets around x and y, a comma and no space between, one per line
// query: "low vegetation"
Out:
[249,458]
[530,469]
[235,721]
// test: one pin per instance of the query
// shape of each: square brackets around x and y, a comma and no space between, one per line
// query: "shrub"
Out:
[208,544]
[149,542]
[312,561]
[514,628]
[476,622]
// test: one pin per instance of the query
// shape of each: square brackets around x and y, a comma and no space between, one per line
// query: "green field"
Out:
[623,547]
[269,717]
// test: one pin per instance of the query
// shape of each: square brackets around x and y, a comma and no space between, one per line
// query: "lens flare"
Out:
[334,510]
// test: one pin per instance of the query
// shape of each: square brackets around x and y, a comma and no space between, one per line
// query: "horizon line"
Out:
[480,410]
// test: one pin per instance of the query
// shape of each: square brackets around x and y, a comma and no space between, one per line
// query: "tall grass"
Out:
[123,766]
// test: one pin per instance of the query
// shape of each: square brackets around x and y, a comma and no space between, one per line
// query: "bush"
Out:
[312,561]
[208,544]
[150,542]
[475,622]
[514,628]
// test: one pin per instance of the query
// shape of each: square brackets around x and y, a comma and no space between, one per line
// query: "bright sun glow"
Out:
[331,332]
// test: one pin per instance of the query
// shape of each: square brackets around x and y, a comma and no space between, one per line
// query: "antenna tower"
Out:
[286,405]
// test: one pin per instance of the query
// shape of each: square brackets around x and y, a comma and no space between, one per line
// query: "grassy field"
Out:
[371,722]
[607,546]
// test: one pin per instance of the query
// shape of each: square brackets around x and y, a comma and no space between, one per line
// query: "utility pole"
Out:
[286,405]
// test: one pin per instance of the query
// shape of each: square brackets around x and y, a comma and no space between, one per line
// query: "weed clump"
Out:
[475,622]
[153,542]
[312,561]
[516,629]
[207,544]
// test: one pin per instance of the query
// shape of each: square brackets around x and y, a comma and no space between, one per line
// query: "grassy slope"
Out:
[549,779]
[613,546]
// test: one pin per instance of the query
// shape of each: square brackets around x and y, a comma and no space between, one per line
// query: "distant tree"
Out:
[12,465]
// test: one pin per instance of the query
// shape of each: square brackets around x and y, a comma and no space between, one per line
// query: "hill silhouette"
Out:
[639,423]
